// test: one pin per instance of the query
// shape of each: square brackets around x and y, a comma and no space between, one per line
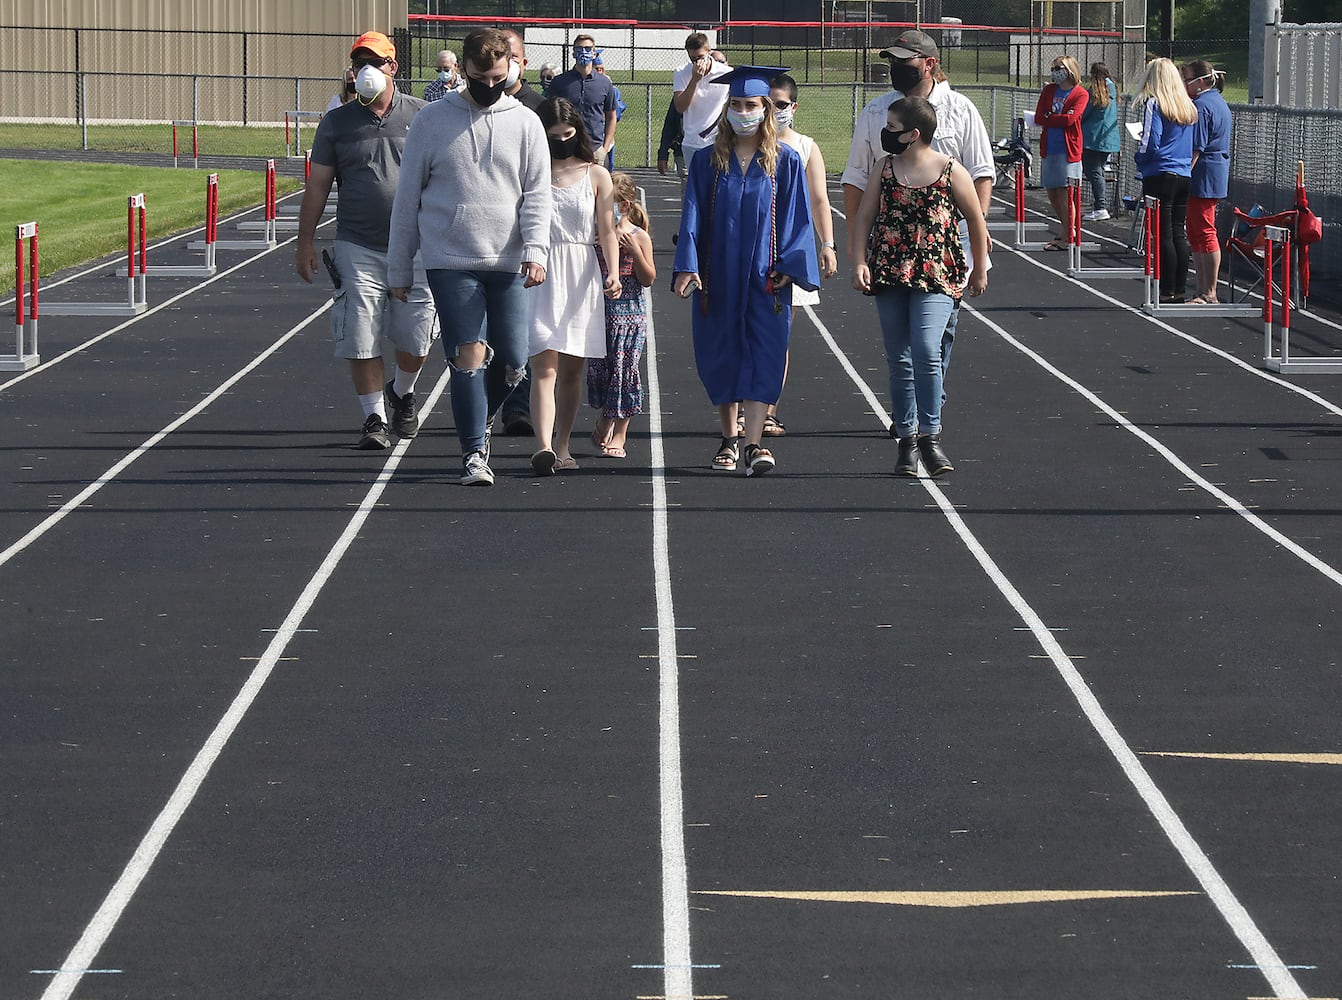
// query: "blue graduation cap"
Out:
[749,81]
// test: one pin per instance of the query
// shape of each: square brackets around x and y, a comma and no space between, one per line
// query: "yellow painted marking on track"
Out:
[953,899]
[1271,758]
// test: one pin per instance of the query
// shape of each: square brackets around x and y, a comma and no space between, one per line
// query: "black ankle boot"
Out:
[907,463]
[934,459]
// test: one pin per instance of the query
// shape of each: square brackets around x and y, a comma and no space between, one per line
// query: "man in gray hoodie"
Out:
[474,200]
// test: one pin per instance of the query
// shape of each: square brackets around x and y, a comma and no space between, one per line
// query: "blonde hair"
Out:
[1073,68]
[1162,83]
[626,191]
[724,140]
[1099,84]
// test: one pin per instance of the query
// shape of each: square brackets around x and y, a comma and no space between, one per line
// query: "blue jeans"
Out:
[1092,167]
[914,324]
[488,307]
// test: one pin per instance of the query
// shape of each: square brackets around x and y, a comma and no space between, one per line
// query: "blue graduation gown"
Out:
[740,342]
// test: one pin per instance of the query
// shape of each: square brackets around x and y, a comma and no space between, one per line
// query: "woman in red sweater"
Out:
[1058,114]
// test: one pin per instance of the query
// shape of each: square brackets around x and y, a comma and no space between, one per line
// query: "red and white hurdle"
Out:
[1075,266]
[25,354]
[294,148]
[1277,248]
[195,142]
[266,227]
[136,265]
[288,214]
[208,268]
[1020,224]
[1151,303]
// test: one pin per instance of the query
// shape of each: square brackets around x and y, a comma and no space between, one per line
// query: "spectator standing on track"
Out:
[448,78]
[1058,115]
[363,143]
[591,93]
[915,71]
[1210,181]
[698,101]
[474,195]
[1099,136]
[614,386]
[783,95]
[568,323]
[745,236]
[1165,164]
[669,145]
[916,268]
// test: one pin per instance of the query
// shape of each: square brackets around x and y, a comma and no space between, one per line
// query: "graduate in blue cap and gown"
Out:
[745,237]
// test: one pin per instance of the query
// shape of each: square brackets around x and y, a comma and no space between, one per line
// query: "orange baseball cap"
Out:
[375,42]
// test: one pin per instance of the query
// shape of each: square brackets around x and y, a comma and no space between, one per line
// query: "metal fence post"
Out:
[647,103]
[84,110]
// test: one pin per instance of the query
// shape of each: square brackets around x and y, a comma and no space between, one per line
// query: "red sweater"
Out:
[1068,119]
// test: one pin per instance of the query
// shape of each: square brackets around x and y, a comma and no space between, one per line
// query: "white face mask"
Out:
[783,117]
[370,82]
[745,122]
[514,74]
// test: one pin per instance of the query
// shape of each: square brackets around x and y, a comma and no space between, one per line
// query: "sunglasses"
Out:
[359,62]
[783,105]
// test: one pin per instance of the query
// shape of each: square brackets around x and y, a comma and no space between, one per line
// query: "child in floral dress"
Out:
[613,383]
[914,266]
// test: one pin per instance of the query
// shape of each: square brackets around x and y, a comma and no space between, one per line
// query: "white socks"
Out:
[372,403]
[404,381]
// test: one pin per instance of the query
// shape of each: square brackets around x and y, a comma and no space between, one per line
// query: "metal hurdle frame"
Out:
[1075,267]
[1151,267]
[297,144]
[1021,243]
[286,212]
[195,142]
[25,354]
[266,228]
[1278,247]
[208,268]
[136,266]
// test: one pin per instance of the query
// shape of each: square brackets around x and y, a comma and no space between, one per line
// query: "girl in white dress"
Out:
[568,323]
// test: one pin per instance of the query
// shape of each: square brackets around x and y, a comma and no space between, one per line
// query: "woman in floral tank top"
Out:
[906,240]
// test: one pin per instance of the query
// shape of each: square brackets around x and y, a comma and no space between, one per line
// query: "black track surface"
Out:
[449,784]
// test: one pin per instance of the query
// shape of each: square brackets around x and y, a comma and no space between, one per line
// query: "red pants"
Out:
[1202,225]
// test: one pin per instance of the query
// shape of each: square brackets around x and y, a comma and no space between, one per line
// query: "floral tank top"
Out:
[916,240]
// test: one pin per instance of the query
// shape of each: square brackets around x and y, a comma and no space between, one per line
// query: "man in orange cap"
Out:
[361,142]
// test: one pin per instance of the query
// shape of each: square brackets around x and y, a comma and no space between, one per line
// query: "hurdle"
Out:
[25,354]
[1020,224]
[1075,267]
[136,266]
[292,211]
[208,268]
[266,228]
[1278,247]
[195,142]
[296,117]
[1151,304]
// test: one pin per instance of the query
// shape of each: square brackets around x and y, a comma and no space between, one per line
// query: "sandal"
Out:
[773,427]
[598,438]
[725,459]
[1055,245]
[566,464]
[740,420]
[758,460]
[612,451]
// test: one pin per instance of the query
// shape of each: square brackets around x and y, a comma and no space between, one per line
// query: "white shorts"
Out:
[364,311]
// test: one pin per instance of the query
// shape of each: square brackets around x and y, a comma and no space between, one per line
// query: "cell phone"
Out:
[331,269]
[691,288]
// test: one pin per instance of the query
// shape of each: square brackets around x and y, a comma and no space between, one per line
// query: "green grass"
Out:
[215,140]
[80,208]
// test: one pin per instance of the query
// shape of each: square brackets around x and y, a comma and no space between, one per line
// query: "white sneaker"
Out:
[476,470]
[1099,215]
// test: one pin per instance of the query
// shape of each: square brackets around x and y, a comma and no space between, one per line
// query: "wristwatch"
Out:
[828,244]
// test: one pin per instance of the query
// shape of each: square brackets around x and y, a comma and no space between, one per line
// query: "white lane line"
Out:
[1230,908]
[1297,550]
[83,495]
[678,978]
[24,376]
[105,919]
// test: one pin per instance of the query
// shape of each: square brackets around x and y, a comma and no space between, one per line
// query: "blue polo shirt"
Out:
[593,95]
[1211,141]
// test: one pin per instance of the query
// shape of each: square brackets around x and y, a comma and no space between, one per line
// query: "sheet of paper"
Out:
[1029,118]
[1134,130]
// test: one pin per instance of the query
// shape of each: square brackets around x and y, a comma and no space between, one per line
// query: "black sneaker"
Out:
[374,434]
[404,419]
[907,463]
[934,459]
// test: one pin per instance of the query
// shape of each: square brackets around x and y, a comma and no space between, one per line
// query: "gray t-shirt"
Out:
[365,151]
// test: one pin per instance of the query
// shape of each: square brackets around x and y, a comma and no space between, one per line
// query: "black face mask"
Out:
[349,86]
[482,93]
[904,77]
[562,149]
[891,143]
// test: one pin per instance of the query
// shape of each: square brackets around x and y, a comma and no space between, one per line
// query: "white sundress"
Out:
[568,314]
[804,296]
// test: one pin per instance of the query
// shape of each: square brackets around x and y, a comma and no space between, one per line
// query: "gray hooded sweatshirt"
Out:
[474,191]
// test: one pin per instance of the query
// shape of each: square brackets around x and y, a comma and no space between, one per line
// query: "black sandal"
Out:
[725,459]
[773,427]
[758,460]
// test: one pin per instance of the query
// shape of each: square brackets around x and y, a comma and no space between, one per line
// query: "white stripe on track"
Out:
[105,919]
[678,978]
[83,495]
[1230,908]
[24,376]
[1296,549]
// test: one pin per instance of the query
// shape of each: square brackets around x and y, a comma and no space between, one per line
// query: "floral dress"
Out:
[916,240]
[613,382]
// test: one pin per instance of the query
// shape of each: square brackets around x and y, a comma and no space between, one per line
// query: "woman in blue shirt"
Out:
[1099,136]
[1211,171]
[1165,164]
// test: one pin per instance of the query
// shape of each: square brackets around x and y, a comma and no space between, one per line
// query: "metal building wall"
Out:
[316,16]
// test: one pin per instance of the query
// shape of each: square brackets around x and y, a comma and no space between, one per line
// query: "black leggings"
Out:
[1172,190]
